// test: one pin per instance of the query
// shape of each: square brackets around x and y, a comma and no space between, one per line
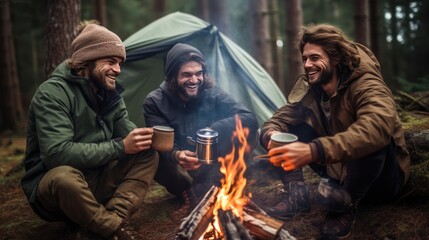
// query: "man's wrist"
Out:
[176,154]
[266,138]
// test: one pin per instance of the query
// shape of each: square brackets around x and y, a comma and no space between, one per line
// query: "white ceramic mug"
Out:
[280,139]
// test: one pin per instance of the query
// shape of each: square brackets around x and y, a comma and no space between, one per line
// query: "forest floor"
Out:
[405,218]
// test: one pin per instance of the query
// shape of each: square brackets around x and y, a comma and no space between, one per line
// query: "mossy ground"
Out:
[405,218]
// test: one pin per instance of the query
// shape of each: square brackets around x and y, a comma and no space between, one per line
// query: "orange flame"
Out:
[233,167]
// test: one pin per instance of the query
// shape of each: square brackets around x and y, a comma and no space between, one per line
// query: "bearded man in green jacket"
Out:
[348,129]
[86,163]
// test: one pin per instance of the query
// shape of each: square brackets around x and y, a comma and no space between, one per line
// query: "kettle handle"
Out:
[191,141]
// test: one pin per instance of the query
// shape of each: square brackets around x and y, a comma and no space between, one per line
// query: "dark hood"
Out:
[174,55]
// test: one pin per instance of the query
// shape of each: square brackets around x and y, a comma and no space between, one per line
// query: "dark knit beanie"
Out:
[95,42]
[175,54]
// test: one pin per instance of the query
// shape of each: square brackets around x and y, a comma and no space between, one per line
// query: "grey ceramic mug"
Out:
[280,139]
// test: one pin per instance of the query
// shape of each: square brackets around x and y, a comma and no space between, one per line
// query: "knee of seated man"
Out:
[65,177]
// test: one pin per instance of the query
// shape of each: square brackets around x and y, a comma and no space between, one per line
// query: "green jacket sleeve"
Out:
[68,132]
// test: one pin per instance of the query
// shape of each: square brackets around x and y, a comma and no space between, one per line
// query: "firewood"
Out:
[196,223]
[232,227]
[251,206]
[256,223]
[262,226]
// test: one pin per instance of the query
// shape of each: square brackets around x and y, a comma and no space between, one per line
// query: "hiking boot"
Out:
[84,234]
[295,201]
[125,232]
[189,202]
[338,225]
[333,197]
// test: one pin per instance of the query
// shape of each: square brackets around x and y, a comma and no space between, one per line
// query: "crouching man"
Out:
[86,163]
[188,100]
[348,129]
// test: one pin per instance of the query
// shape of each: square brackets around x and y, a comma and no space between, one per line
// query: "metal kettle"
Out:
[206,145]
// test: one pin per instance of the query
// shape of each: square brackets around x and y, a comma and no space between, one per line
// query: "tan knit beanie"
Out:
[95,42]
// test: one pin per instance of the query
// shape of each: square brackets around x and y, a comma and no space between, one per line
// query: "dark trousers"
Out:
[176,179]
[376,177]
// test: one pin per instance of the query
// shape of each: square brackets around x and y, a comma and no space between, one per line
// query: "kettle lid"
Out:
[207,133]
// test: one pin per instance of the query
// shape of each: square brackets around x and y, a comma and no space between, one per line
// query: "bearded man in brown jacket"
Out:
[348,129]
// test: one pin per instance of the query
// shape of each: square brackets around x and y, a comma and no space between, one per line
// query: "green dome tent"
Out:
[234,70]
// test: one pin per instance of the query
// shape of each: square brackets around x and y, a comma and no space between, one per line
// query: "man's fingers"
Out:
[143,131]
[189,153]
[276,160]
[276,163]
[190,166]
[288,166]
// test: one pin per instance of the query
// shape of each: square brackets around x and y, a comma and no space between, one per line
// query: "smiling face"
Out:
[189,80]
[105,71]
[317,65]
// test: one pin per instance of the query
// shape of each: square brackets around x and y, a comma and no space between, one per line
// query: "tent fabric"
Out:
[234,70]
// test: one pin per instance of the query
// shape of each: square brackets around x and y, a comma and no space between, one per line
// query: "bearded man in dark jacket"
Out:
[348,128]
[86,163]
[188,101]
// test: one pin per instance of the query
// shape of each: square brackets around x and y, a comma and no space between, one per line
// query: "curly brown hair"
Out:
[335,43]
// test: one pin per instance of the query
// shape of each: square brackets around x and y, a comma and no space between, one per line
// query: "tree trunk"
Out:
[159,8]
[261,34]
[276,50]
[361,22]
[100,11]
[374,27]
[218,15]
[293,26]
[409,55]
[202,9]
[63,17]
[394,45]
[11,111]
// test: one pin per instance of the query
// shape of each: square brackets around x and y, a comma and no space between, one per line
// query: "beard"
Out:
[325,76]
[99,79]
[184,91]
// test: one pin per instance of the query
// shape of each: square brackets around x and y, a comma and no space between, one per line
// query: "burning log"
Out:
[262,226]
[196,223]
[232,227]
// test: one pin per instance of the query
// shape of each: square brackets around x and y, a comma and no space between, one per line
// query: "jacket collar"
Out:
[109,97]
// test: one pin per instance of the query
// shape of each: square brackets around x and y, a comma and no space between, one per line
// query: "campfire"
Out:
[225,213]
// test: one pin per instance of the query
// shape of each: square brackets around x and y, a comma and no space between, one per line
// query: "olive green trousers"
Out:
[98,199]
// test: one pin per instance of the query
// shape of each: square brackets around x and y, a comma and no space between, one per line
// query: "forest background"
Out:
[36,36]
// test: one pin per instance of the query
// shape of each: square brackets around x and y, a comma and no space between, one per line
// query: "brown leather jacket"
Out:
[363,117]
